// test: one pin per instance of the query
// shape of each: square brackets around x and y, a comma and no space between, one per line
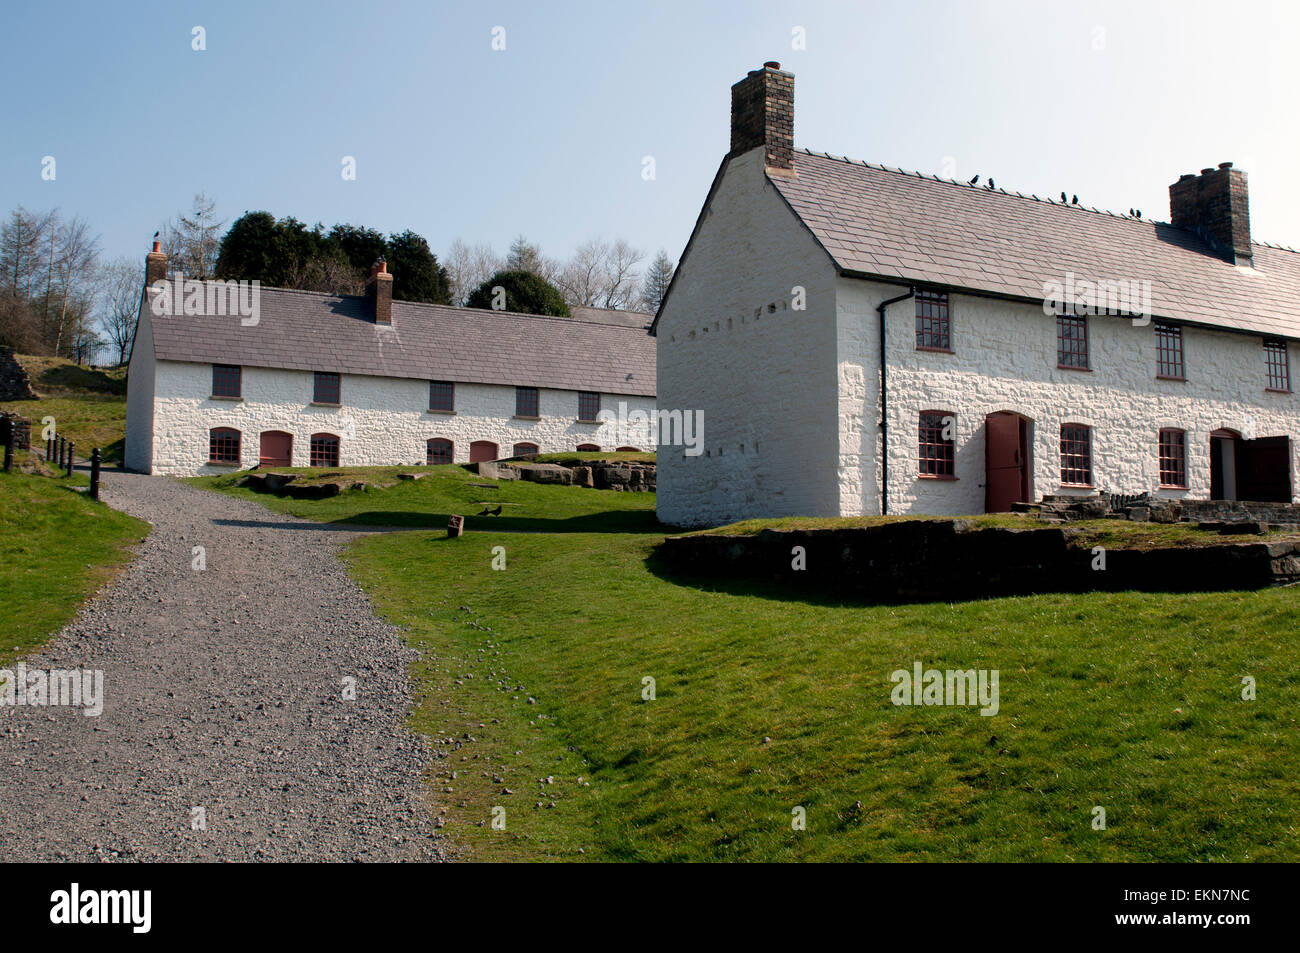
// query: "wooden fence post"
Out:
[9,452]
[95,459]
[71,446]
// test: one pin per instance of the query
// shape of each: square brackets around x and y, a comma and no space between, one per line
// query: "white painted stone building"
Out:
[326,380]
[985,393]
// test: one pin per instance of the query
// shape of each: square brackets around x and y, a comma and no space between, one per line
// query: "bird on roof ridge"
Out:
[974,181]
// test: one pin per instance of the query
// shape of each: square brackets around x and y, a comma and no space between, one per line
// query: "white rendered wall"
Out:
[140,398]
[1005,359]
[382,420]
[730,344]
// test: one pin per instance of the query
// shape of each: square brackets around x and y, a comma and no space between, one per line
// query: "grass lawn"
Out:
[56,548]
[769,700]
[447,489]
[88,406]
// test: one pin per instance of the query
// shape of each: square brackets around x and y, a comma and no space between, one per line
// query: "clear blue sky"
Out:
[1107,100]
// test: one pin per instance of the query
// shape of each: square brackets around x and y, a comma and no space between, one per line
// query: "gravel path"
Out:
[222,690]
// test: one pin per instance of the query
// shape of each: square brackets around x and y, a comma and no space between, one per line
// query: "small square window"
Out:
[223,446]
[1072,341]
[526,402]
[442,396]
[324,450]
[226,380]
[1169,351]
[1076,455]
[327,388]
[528,450]
[932,321]
[439,450]
[1279,371]
[588,405]
[1173,458]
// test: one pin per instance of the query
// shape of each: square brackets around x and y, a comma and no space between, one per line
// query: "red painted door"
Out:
[1004,462]
[481,451]
[276,449]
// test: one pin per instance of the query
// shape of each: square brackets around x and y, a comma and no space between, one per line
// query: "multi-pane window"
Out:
[1279,374]
[1076,455]
[324,450]
[1173,458]
[525,450]
[327,388]
[589,447]
[438,451]
[525,401]
[932,321]
[223,445]
[225,380]
[936,445]
[442,396]
[588,405]
[1072,340]
[1169,351]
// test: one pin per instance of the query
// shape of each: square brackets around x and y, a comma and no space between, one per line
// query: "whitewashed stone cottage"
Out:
[335,380]
[865,340]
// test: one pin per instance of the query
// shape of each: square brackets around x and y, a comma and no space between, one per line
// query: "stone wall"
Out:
[948,559]
[14,382]
[632,476]
[20,427]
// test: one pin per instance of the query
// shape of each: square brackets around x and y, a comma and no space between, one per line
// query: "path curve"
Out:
[222,691]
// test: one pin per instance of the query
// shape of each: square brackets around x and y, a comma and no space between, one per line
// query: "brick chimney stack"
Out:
[1216,206]
[155,265]
[762,114]
[379,292]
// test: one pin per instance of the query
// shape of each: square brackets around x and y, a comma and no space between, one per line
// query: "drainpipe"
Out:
[884,416]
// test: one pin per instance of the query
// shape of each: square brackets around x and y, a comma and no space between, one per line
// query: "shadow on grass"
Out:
[73,377]
[609,521]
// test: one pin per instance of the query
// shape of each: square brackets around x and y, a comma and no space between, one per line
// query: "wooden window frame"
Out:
[1076,455]
[219,440]
[442,397]
[522,397]
[1169,352]
[1277,366]
[588,448]
[936,457]
[222,376]
[324,378]
[331,448]
[586,397]
[1070,347]
[1172,457]
[514,450]
[933,322]
[429,454]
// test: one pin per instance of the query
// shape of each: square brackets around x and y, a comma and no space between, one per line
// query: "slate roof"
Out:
[304,330]
[626,319]
[878,222]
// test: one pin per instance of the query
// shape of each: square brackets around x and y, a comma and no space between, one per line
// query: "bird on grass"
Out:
[497,511]
[485,512]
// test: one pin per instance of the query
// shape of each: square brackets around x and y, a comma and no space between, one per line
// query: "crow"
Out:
[497,511]
[975,180]
[1139,213]
[1074,200]
[1063,198]
[1130,213]
[991,185]
[485,512]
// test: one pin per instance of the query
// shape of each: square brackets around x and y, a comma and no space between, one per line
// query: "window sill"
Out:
[936,350]
[525,417]
[1077,486]
[449,413]
[324,403]
[231,464]
[222,397]
[1171,486]
[583,420]
[1277,390]
[1166,377]
[942,478]
[1067,367]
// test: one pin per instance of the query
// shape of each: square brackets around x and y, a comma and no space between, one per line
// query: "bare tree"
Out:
[468,266]
[602,275]
[121,283]
[330,274]
[75,267]
[192,241]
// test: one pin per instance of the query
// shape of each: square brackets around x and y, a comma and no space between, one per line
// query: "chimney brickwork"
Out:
[1215,204]
[155,265]
[379,293]
[762,114]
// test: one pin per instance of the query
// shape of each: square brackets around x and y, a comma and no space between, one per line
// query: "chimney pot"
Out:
[1206,171]
[1225,165]
[762,114]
